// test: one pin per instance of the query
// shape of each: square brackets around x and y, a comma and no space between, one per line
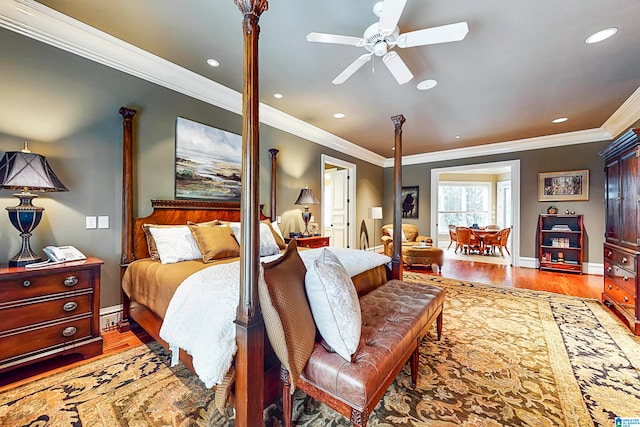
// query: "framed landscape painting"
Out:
[570,185]
[208,162]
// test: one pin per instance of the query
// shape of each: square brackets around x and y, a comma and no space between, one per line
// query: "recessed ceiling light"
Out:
[278,95]
[213,62]
[427,84]
[559,120]
[457,136]
[601,35]
[339,115]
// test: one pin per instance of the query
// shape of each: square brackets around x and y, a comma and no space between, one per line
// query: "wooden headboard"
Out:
[178,212]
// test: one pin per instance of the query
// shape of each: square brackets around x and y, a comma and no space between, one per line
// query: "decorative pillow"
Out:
[151,243]
[215,242]
[404,238]
[211,223]
[268,245]
[286,312]
[174,244]
[334,304]
[277,235]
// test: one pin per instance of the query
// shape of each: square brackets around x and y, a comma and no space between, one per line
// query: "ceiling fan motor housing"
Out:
[377,41]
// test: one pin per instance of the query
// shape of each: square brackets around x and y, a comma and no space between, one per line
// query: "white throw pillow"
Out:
[175,244]
[334,304]
[404,238]
[268,245]
[276,228]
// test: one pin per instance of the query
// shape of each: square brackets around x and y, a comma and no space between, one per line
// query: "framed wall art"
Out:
[409,199]
[570,185]
[208,162]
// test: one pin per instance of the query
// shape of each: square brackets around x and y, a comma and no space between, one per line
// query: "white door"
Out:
[504,204]
[339,207]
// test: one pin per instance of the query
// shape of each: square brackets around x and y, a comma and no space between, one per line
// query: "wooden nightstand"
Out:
[49,312]
[311,242]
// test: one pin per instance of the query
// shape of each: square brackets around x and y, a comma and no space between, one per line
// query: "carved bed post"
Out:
[396,258]
[249,360]
[274,153]
[127,207]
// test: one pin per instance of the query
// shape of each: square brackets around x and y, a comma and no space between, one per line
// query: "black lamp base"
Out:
[25,218]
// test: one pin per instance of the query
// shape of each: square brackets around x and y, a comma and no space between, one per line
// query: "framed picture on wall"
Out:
[409,200]
[208,162]
[570,185]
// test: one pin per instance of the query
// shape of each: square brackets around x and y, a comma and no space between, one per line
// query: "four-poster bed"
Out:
[257,379]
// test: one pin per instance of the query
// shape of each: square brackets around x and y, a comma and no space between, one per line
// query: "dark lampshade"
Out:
[23,170]
[306,198]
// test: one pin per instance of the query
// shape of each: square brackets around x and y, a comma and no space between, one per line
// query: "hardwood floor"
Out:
[588,286]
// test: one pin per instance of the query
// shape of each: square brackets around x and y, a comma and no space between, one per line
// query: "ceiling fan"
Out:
[382,36]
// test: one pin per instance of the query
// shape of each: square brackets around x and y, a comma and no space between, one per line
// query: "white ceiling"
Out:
[521,65]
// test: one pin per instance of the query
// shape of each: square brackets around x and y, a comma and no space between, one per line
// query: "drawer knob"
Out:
[625,278]
[624,260]
[609,269]
[26,283]
[609,254]
[71,281]
[70,306]
[626,299]
[610,287]
[69,331]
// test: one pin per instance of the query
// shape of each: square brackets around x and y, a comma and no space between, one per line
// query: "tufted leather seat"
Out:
[395,318]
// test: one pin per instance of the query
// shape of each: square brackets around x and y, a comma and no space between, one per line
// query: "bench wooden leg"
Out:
[286,396]
[359,419]
[439,325]
[414,364]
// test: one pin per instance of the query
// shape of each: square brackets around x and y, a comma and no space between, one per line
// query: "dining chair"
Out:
[498,240]
[467,240]
[453,238]
[504,237]
[492,227]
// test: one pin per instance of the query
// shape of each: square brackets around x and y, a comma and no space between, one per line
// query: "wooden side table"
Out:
[49,311]
[311,242]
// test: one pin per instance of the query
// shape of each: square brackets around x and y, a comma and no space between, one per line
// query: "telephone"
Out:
[58,255]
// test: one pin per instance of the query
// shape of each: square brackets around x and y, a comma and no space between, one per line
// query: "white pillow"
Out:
[404,238]
[175,244]
[268,245]
[276,228]
[334,304]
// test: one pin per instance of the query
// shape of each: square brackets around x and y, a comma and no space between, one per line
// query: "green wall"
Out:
[573,157]
[67,108]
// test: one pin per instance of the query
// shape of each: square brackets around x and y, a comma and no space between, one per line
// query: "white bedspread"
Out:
[200,316]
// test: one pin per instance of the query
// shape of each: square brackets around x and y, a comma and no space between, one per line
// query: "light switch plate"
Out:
[103,221]
[90,222]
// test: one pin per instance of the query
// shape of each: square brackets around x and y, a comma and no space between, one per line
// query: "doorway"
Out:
[338,201]
[507,196]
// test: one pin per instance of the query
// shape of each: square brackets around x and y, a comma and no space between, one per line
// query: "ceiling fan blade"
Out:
[355,66]
[443,34]
[336,39]
[391,11]
[398,68]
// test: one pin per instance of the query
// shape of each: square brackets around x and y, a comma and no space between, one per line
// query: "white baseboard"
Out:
[593,268]
[110,316]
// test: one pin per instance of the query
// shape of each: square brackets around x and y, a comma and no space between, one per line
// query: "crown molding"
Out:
[39,22]
[537,143]
[626,115]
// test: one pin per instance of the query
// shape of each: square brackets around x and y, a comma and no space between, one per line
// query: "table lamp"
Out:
[375,212]
[306,198]
[23,170]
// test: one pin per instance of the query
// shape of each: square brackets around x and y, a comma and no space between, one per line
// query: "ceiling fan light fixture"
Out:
[427,84]
[380,48]
[601,35]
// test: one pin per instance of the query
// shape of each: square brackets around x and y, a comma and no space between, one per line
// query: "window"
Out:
[463,204]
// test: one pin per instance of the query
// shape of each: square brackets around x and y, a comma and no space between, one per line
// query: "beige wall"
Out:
[67,108]
[574,157]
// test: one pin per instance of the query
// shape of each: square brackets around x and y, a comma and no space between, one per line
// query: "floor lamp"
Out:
[375,213]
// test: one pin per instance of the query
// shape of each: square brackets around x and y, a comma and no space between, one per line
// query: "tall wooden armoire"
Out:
[622,236]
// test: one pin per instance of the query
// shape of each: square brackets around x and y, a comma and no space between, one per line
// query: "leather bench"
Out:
[395,318]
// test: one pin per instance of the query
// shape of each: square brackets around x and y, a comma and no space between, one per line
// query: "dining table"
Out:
[481,233]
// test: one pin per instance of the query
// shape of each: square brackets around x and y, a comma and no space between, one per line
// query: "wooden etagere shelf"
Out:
[561,242]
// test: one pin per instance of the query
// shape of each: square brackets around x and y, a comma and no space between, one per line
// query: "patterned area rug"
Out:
[508,357]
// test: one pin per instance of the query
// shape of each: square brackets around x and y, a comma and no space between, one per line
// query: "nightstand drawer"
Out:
[28,313]
[44,337]
[30,286]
